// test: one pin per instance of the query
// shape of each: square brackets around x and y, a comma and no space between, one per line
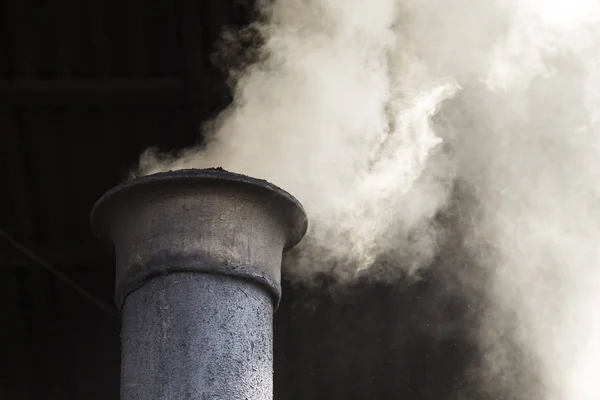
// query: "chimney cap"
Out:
[198,220]
[196,178]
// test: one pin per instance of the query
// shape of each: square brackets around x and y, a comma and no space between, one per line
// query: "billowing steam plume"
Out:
[370,111]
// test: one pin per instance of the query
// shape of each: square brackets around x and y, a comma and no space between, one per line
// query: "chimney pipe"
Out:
[198,264]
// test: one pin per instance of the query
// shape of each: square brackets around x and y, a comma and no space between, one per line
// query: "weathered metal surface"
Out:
[198,220]
[198,256]
[197,336]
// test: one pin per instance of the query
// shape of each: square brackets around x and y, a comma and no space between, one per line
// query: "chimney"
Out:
[198,265]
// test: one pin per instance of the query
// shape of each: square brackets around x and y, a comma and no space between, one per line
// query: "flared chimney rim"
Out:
[217,176]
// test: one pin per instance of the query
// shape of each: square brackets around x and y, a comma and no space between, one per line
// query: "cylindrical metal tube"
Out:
[197,336]
[198,278]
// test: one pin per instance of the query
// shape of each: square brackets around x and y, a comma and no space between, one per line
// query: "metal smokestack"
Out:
[198,258]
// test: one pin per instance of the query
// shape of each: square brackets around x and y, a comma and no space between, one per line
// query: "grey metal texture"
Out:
[198,258]
[197,336]
[207,220]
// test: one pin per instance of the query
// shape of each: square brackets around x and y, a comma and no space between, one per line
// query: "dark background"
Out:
[84,88]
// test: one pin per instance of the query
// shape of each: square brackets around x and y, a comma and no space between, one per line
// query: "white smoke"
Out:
[339,111]
[337,114]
